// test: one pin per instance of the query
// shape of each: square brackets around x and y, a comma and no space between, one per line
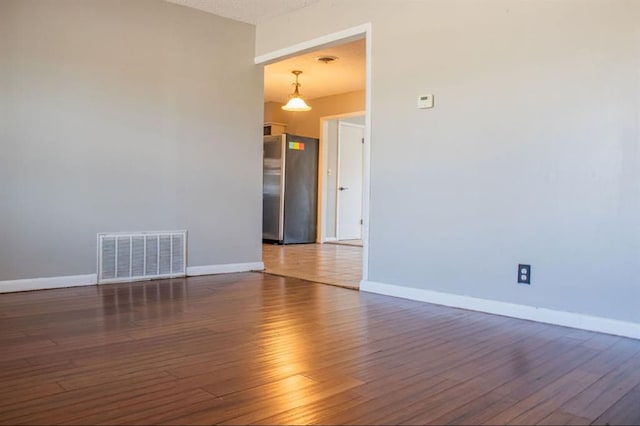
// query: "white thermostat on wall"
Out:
[425,101]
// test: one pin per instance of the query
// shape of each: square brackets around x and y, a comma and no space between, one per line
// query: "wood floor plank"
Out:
[393,407]
[477,411]
[624,412]
[140,407]
[537,406]
[562,418]
[316,411]
[62,407]
[12,396]
[261,349]
[524,377]
[309,395]
[262,397]
[609,389]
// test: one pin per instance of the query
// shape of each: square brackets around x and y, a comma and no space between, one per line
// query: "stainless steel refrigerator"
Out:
[290,189]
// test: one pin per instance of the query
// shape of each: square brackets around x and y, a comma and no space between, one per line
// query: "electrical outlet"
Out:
[524,274]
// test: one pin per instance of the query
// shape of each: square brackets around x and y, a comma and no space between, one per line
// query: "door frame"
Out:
[322,199]
[359,126]
[344,36]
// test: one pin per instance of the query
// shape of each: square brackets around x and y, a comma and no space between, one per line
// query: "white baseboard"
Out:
[92,279]
[549,316]
[224,269]
[47,283]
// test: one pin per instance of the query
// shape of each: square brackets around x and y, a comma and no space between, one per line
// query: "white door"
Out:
[350,179]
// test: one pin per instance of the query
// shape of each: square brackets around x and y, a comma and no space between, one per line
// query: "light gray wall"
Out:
[531,154]
[360,119]
[125,115]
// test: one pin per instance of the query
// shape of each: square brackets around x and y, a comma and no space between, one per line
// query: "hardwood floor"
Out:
[333,264]
[257,348]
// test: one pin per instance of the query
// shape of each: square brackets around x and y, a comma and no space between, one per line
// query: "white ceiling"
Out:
[318,79]
[249,11]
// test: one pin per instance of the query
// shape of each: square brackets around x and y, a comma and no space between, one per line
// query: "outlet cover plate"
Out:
[524,274]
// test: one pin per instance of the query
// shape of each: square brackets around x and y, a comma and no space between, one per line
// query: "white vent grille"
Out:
[141,256]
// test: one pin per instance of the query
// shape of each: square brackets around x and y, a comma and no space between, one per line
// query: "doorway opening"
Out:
[338,94]
[343,171]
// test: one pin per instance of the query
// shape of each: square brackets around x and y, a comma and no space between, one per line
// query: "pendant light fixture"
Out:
[296,103]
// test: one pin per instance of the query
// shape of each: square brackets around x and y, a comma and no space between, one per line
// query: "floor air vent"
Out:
[141,256]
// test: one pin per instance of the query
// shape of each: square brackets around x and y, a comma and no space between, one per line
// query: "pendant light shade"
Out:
[296,103]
